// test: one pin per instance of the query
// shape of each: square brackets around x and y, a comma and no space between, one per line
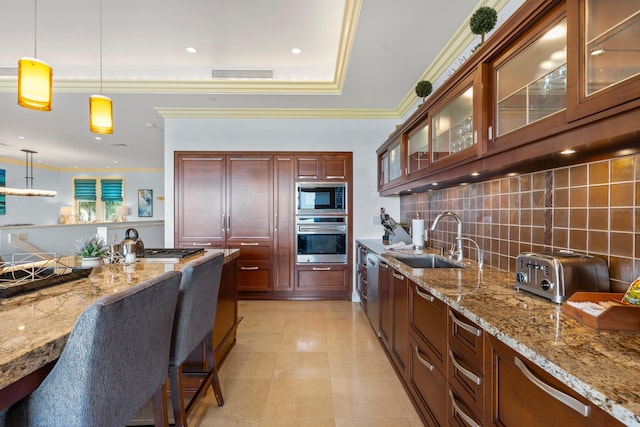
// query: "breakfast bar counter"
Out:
[36,325]
[602,366]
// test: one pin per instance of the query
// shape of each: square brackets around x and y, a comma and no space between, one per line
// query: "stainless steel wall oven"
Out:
[321,239]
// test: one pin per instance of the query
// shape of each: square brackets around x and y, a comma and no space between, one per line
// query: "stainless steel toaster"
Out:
[558,275]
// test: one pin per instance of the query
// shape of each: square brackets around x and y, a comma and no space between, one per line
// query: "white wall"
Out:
[360,136]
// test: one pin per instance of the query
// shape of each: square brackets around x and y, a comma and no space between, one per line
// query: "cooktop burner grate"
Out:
[170,252]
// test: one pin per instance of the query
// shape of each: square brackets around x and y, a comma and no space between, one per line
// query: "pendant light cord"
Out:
[35,28]
[100,47]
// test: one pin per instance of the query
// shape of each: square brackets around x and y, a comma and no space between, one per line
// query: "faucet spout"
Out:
[455,216]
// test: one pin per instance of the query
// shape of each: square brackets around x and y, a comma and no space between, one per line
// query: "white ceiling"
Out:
[360,58]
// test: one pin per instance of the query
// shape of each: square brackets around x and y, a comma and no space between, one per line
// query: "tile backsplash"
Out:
[590,208]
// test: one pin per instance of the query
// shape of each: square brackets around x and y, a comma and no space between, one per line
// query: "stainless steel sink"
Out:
[427,261]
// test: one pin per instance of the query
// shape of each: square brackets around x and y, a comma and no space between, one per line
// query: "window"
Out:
[96,199]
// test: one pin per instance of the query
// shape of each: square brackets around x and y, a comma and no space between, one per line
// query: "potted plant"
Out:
[423,89]
[482,21]
[92,251]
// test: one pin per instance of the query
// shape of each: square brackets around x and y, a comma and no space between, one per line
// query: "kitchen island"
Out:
[601,366]
[36,325]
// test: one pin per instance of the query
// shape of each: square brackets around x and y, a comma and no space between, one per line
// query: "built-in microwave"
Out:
[314,198]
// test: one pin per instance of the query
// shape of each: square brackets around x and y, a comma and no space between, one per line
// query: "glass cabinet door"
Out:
[390,167]
[612,43]
[418,150]
[533,84]
[452,127]
[395,168]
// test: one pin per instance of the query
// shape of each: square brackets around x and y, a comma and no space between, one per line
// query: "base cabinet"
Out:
[322,277]
[386,304]
[524,394]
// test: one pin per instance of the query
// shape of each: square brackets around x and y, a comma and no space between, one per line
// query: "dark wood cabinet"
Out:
[324,278]
[283,234]
[400,347]
[386,304]
[361,274]
[543,83]
[321,167]
[523,394]
[428,346]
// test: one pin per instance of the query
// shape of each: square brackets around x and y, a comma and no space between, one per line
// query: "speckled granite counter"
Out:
[35,326]
[602,366]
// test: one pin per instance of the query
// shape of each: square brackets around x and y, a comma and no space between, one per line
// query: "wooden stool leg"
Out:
[177,399]
[160,414]
[215,382]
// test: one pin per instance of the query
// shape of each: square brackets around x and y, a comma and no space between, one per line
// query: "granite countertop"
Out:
[35,325]
[602,366]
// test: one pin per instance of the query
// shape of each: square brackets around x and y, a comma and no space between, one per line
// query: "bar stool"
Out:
[114,361]
[193,324]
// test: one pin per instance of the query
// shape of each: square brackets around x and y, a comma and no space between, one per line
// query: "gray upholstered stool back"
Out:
[114,361]
[197,302]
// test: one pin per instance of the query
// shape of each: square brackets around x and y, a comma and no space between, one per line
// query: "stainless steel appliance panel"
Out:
[319,198]
[373,292]
[321,240]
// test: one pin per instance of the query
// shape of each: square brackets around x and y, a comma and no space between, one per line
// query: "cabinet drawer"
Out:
[253,276]
[466,337]
[253,251]
[428,319]
[207,244]
[467,381]
[460,415]
[429,385]
[322,277]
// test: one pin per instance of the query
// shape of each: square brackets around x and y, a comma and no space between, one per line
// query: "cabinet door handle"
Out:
[335,176]
[475,331]
[425,296]
[473,377]
[275,221]
[321,268]
[427,365]
[572,403]
[249,244]
[398,276]
[466,418]
[249,268]
[228,223]
[382,264]
[201,244]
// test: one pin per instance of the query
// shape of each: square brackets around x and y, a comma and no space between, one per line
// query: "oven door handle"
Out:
[311,229]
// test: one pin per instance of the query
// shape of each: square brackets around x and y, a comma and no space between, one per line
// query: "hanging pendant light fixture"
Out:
[100,106]
[28,190]
[35,77]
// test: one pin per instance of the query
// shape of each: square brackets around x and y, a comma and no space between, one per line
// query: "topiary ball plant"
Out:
[423,89]
[483,20]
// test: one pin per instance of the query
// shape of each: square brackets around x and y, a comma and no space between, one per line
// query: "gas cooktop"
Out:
[168,254]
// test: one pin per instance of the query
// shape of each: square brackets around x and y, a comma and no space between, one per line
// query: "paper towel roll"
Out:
[417,232]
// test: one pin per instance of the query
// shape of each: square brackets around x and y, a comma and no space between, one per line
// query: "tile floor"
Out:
[306,363]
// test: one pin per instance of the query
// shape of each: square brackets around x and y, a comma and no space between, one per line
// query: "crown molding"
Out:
[273,113]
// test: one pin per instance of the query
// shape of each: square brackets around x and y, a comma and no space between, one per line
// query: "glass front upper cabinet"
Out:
[418,149]
[612,43]
[452,127]
[390,164]
[533,84]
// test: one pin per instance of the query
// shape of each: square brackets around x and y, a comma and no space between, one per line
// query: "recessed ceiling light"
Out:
[191,49]
[475,174]
[434,183]
[567,151]
[115,161]
[21,137]
[97,138]
[296,51]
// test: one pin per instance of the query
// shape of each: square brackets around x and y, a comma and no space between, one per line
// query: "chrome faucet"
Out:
[458,234]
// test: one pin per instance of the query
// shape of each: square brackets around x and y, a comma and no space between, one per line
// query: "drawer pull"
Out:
[249,244]
[427,365]
[382,264]
[249,268]
[424,296]
[321,268]
[201,244]
[364,297]
[335,176]
[467,373]
[475,331]
[572,403]
[398,276]
[466,418]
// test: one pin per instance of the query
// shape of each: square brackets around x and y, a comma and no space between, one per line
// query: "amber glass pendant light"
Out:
[35,77]
[100,106]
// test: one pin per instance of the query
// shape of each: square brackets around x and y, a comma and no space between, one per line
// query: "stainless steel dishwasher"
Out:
[373,293]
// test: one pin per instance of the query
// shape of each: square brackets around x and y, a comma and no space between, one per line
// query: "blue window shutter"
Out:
[111,190]
[84,189]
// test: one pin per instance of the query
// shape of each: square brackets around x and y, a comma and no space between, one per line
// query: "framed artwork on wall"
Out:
[145,203]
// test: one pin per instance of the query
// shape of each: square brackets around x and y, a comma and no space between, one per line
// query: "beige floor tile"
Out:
[299,398]
[360,364]
[254,365]
[365,398]
[297,422]
[377,422]
[302,365]
[258,342]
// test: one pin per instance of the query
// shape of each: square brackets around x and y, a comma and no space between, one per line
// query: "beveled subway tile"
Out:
[599,172]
